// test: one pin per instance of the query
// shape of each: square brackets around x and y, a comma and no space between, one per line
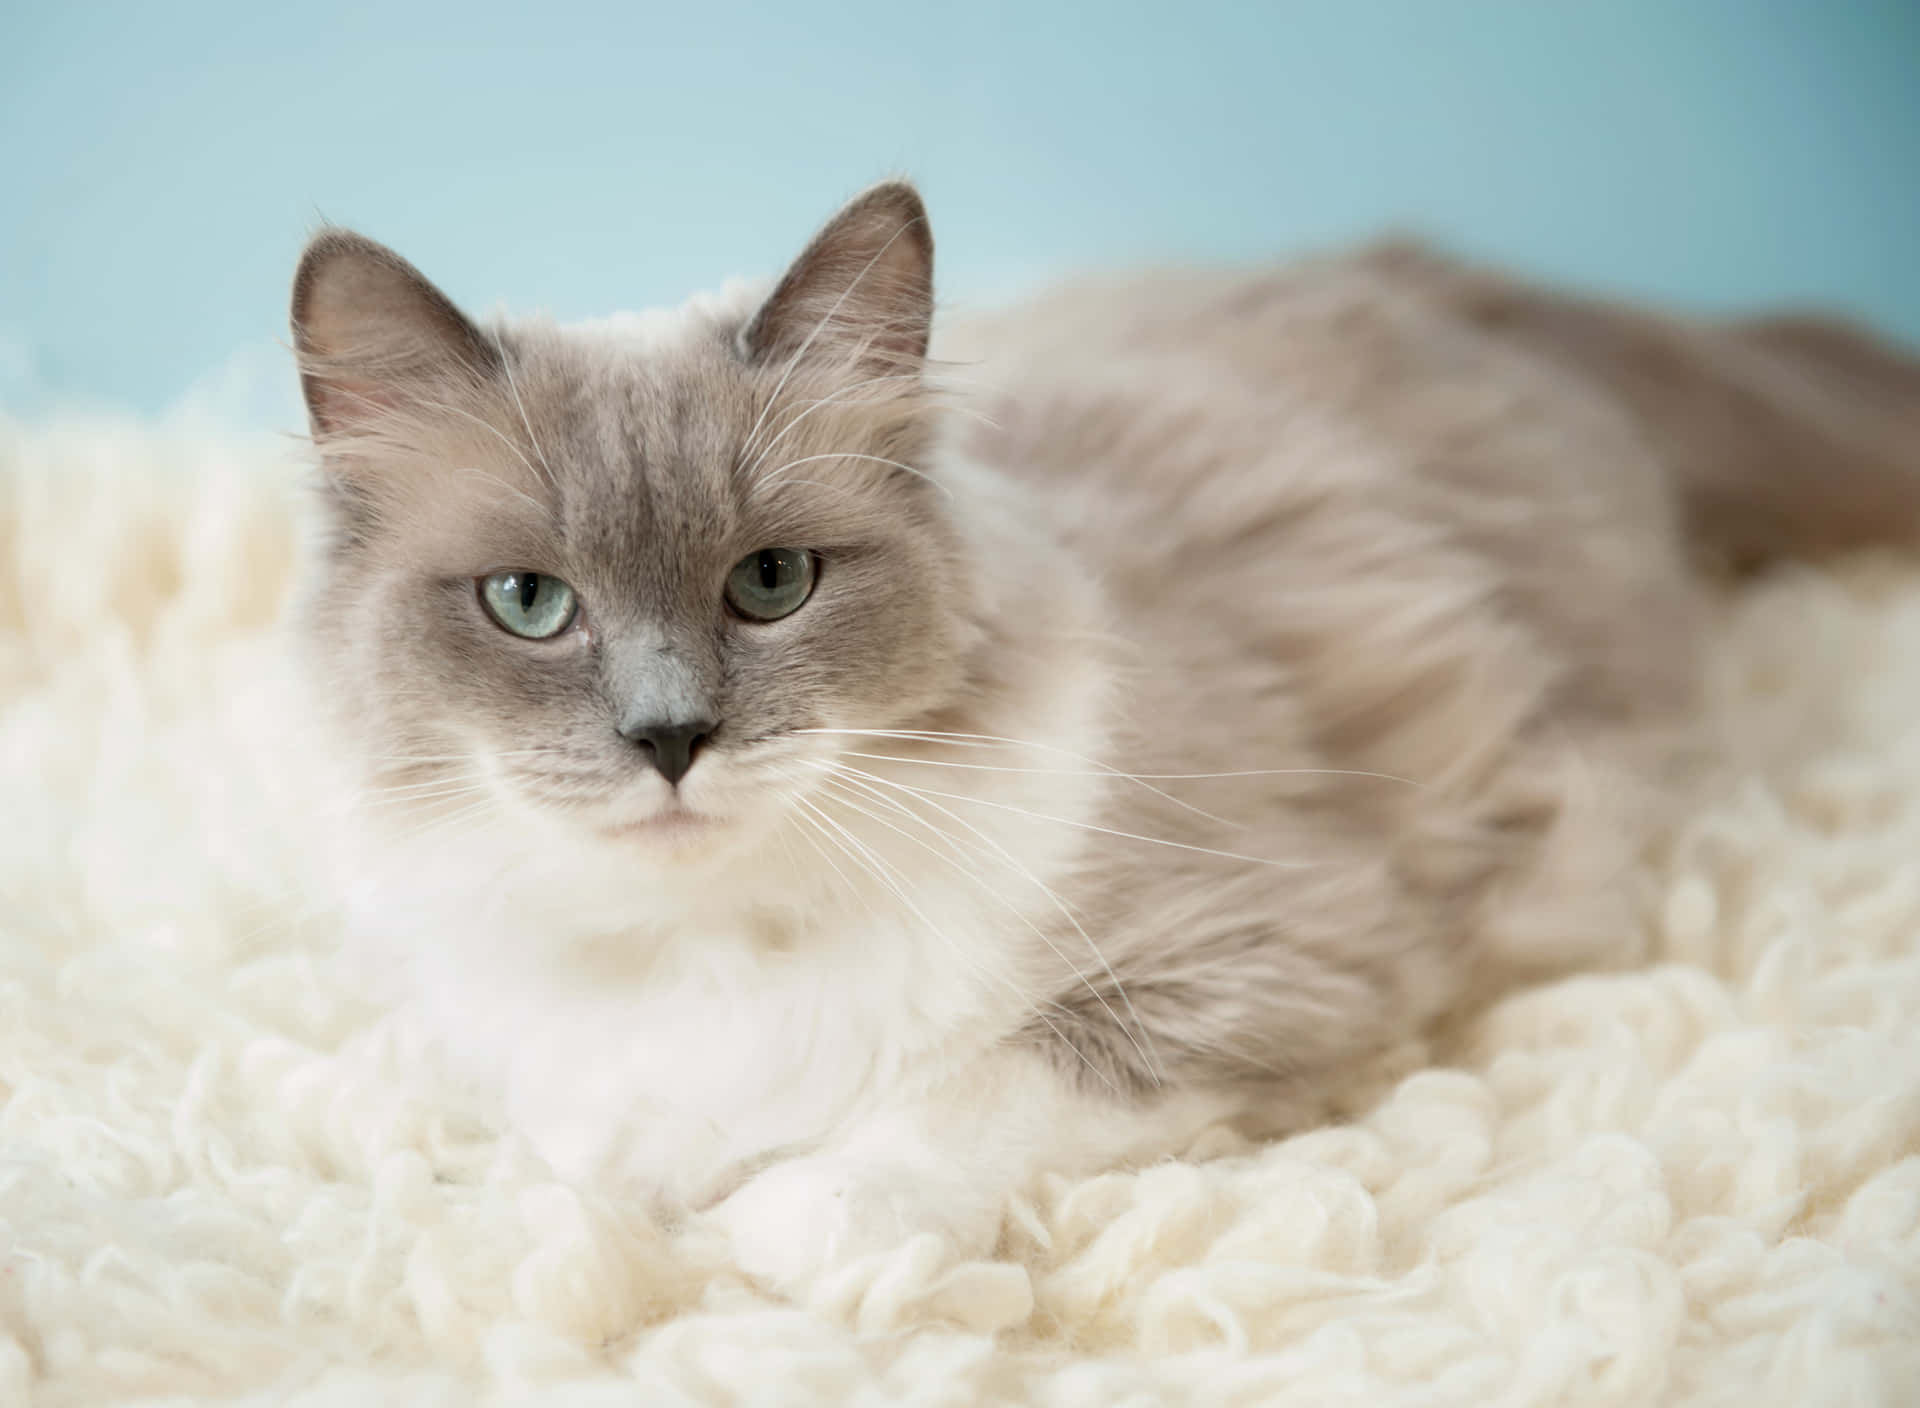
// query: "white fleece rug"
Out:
[220,1179]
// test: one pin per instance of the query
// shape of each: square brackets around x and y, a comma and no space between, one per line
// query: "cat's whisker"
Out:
[430,787]
[1137,778]
[884,874]
[1145,776]
[423,759]
[1097,768]
[506,367]
[839,777]
[502,484]
[989,740]
[426,793]
[935,404]
[982,882]
[980,969]
[818,484]
[801,780]
[773,476]
[408,803]
[832,398]
[460,413]
[1143,1040]
[808,831]
[806,343]
[1089,826]
[463,803]
[438,826]
[841,788]
[397,801]
[450,771]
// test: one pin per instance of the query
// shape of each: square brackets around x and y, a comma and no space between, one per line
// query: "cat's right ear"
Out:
[373,335]
[861,292]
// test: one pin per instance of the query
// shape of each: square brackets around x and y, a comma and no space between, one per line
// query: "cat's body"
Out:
[1232,675]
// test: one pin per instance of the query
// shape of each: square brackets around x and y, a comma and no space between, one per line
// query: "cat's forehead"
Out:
[670,383]
[631,433]
[651,442]
[600,390]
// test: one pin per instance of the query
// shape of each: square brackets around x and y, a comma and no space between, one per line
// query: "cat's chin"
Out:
[678,829]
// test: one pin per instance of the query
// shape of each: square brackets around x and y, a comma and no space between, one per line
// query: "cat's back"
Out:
[1170,381]
[1379,586]
[1321,470]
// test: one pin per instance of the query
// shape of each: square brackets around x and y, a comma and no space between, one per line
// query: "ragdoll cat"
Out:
[821,788]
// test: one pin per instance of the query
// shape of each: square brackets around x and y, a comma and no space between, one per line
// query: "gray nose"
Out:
[670,747]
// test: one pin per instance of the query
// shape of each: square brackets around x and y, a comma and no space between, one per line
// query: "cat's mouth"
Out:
[675,826]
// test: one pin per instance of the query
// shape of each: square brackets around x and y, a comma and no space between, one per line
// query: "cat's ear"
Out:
[862,292]
[372,335]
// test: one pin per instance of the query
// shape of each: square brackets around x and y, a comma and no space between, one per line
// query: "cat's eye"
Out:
[771,583]
[530,604]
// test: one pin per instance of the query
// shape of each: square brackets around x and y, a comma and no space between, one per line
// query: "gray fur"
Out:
[1399,549]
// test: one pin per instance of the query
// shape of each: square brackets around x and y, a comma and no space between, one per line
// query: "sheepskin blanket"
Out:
[222,1178]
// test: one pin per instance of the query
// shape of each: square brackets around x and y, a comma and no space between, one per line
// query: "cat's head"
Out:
[616,582]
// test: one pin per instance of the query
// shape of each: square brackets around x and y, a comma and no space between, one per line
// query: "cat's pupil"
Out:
[770,583]
[531,605]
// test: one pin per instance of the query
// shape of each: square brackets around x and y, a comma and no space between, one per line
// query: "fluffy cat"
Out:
[820,787]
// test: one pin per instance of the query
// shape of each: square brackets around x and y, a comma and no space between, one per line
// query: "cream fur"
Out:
[221,1173]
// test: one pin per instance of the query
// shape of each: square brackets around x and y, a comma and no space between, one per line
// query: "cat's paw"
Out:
[810,1215]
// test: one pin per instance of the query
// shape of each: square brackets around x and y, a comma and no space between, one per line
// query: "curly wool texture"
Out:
[223,1176]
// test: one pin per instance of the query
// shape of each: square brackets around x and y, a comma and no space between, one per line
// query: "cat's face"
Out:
[626,587]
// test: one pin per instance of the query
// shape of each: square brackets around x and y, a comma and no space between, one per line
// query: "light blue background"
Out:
[160,163]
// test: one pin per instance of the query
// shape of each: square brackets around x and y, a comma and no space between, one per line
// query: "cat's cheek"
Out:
[810,1215]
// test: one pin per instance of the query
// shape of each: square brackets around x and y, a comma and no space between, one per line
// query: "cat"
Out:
[818,786]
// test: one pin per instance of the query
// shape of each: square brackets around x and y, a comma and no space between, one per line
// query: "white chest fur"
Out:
[670,1053]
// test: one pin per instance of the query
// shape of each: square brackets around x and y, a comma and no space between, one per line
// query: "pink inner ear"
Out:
[340,403]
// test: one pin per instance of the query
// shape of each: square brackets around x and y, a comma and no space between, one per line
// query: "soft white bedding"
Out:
[223,1177]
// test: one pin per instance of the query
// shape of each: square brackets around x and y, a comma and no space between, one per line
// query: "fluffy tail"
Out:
[1790,434]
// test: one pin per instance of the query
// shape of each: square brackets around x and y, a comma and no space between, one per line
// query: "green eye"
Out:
[771,583]
[529,604]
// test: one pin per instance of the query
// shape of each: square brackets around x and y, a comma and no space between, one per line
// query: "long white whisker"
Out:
[438,825]
[760,456]
[1143,776]
[506,367]
[818,484]
[885,874]
[1023,916]
[401,759]
[421,791]
[1090,826]
[994,739]
[1135,778]
[801,350]
[1060,904]
[448,408]
[500,483]
[773,475]
[851,799]
[808,832]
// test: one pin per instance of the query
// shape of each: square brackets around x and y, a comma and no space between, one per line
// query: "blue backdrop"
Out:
[160,164]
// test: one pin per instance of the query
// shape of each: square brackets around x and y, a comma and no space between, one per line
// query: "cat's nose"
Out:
[669,746]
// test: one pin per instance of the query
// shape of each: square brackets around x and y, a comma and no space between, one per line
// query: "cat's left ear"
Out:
[861,293]
[374,336]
